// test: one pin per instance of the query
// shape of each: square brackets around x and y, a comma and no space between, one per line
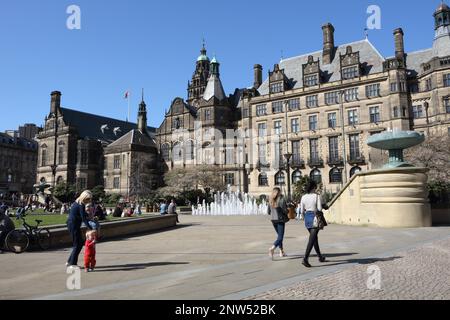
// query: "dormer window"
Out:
[311,80]
[350,73]
[350,64]
[276,87]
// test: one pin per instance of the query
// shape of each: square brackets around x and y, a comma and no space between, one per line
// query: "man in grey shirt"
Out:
[173,209]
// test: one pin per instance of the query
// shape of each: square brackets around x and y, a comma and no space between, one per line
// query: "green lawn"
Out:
[52,219]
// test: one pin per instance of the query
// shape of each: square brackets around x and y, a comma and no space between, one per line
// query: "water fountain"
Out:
[395,196]
[395,142]
[231,204]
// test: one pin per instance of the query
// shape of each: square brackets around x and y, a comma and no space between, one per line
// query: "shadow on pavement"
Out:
[184,253]
[363,261]
[143,234]
[137,266]
[331,255]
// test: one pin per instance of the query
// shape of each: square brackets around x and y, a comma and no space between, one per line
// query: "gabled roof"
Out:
[214,89]
[415,59]
[134,138]
[371,60]
[89,126]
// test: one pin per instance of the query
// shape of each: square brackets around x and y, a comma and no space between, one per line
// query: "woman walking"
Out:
[279,212]
[310,205]
[77,216]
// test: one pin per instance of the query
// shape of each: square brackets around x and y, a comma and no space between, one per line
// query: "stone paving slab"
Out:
[204,258]
[419,274]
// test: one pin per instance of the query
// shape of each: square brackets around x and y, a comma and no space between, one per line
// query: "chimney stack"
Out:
[399,43]
[258,69]
[55,102]
[328,43]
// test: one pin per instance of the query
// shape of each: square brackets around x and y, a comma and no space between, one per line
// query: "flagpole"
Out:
[128,119]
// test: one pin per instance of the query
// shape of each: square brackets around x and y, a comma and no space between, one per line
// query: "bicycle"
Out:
[18,241]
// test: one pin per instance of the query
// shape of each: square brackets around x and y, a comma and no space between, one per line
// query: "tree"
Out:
[188,179]
[299,188]
[433,154]
[98,193]
[65,192]
[112,199]
[143,180]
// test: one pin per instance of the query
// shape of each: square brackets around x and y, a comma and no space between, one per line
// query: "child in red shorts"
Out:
[89,251]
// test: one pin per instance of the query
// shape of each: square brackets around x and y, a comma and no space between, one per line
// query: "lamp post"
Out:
[55,166]
[288,155]
[247,170]
[344,149]
[427,106]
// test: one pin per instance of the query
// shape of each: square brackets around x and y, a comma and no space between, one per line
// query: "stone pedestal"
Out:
[391,198]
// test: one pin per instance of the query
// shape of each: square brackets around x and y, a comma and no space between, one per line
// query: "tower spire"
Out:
[142,116]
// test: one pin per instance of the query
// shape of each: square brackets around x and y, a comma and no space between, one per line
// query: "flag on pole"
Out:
[127,96]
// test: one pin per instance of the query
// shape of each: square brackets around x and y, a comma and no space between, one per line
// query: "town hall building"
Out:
[311,116]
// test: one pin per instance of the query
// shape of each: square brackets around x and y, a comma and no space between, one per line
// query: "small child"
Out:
[89,253]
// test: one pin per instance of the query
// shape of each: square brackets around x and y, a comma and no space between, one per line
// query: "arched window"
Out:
[335,176]
[354,171]
[44,157]
[190,150]
[43,180]
[263,180]
[177,152]
[280,179]
[61,155]
[316,176]
[296,176]
[165,152]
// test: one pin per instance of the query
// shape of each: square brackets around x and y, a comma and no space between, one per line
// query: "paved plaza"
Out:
[227,258]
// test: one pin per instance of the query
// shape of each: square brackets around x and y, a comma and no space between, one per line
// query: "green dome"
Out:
[214,60]
[203,57]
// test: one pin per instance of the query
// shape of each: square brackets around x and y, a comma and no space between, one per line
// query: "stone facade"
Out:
[18,160]
[319,103]
[131,162]
[73,151]
[318,109]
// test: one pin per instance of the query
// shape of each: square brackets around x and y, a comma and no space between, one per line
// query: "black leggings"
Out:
[77,240]
[313,242]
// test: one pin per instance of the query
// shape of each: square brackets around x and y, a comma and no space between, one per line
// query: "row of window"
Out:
[60,157]
[335,176]
[350,95]
[429,84]
[278,107]
[313,121]
[314,150]
[372,90]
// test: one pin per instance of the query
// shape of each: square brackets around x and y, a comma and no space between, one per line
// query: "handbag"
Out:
[319,220]
[291,213]
[282,215]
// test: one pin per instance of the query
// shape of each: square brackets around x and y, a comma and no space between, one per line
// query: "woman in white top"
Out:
[310,205]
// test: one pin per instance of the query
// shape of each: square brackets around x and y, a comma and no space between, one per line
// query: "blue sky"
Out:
[138,44]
